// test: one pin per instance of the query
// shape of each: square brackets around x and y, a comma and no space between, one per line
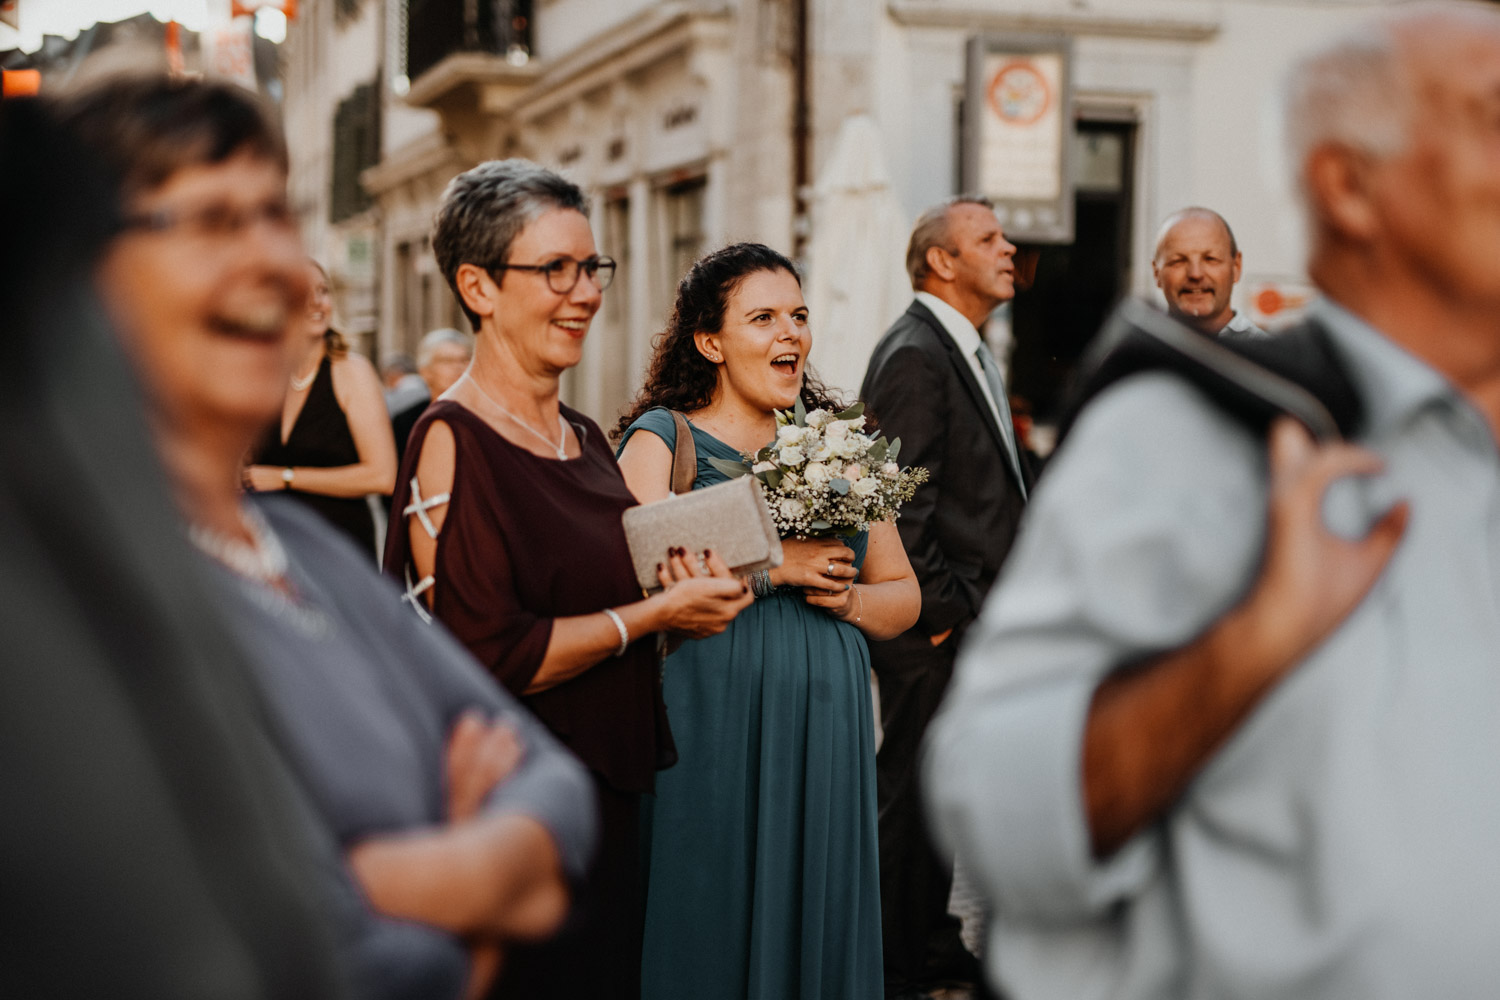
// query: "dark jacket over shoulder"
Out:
[959,526]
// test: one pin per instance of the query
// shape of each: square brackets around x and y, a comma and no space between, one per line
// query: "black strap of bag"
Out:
[684,457]
[1297,372]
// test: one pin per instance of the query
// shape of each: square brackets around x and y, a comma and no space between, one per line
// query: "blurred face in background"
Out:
[208,284]
[446,365]
[1196,270]
[1438,201]
[319,301]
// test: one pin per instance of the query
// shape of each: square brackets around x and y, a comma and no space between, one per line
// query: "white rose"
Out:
[890,470]
[792,455]
[853,472]
[866,487]
[790,434]
[818,417]
[837,431]
[857,424]
[792,509]
[822,451]
[817,474]
[850,447]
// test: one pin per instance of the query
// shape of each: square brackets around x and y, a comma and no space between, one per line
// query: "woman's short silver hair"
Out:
[483,211]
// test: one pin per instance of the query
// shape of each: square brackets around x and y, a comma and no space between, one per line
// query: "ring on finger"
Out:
[830,567]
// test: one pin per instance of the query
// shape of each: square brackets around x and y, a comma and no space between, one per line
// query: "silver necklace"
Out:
[262,560]
[262,565]
[302,382]
[562,427]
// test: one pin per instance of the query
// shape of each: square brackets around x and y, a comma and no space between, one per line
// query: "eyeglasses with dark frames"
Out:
[216,221]
[562,274]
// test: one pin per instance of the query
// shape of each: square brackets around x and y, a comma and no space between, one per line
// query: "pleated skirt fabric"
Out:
[763,872]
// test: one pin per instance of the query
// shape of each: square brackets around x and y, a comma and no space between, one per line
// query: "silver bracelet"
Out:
[760,583]
[620,627]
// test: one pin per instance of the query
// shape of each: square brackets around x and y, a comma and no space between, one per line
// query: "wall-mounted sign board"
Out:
[1018,119]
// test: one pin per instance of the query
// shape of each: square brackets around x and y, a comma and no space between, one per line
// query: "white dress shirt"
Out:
[968,340]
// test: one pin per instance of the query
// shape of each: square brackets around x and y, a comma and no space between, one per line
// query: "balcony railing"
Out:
[437,29]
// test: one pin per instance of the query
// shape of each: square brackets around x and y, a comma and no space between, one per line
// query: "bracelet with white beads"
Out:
[619,627]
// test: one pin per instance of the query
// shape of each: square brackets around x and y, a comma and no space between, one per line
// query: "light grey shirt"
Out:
[1239,326]
[363,696]
[1345,842]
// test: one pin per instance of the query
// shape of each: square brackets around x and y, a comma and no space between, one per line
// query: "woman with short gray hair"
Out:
[512,537]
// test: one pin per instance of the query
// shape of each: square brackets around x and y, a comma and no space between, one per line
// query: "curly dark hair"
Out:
[680,377]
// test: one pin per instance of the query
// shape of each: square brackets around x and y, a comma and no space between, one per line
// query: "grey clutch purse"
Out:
[730,518]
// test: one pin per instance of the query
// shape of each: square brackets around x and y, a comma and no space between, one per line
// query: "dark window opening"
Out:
[356,146]
[439,28]
[1076,284]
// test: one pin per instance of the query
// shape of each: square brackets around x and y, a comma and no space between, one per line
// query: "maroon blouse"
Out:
[527,539]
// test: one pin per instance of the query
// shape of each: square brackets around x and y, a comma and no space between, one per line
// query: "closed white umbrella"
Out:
[856,281]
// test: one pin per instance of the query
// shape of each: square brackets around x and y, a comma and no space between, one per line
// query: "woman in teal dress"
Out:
[763,873]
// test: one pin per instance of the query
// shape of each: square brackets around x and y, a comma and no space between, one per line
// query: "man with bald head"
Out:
[1213,736]
[1196,266]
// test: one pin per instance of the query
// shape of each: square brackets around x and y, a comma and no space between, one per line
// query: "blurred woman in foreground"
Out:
[333,444]
[459,815]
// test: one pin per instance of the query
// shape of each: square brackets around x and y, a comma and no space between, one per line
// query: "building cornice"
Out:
[1170,20]
[666,29]
[467,79]
[426,155]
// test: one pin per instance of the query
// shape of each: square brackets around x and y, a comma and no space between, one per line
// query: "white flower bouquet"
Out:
[824,476]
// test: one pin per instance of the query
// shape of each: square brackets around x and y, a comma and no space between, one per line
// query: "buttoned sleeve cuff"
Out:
[1026,837]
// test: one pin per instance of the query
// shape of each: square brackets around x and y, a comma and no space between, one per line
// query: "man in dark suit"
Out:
[933,383]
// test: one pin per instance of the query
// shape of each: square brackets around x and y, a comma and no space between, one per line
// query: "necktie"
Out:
[1007,428]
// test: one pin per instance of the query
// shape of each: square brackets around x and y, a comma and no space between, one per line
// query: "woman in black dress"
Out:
[510,534]
[333,444]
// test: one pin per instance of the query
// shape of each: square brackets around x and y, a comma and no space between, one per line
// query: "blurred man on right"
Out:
[1212,737]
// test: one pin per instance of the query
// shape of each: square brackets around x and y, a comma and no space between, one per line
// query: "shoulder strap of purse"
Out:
[1296,372]
[684,457]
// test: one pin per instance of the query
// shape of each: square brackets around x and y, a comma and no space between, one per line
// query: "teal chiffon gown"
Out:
[762,864]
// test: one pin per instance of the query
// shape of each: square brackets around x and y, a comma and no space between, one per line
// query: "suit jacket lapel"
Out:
[965,375]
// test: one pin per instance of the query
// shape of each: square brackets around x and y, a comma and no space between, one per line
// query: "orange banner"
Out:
[20,82]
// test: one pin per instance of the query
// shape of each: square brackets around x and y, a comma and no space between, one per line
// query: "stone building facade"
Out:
[681,119]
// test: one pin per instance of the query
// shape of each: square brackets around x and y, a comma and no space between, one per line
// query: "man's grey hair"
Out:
[483,211]
[1355,91]
[430,343]
[932,230]
[398,361]
[1194,211]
